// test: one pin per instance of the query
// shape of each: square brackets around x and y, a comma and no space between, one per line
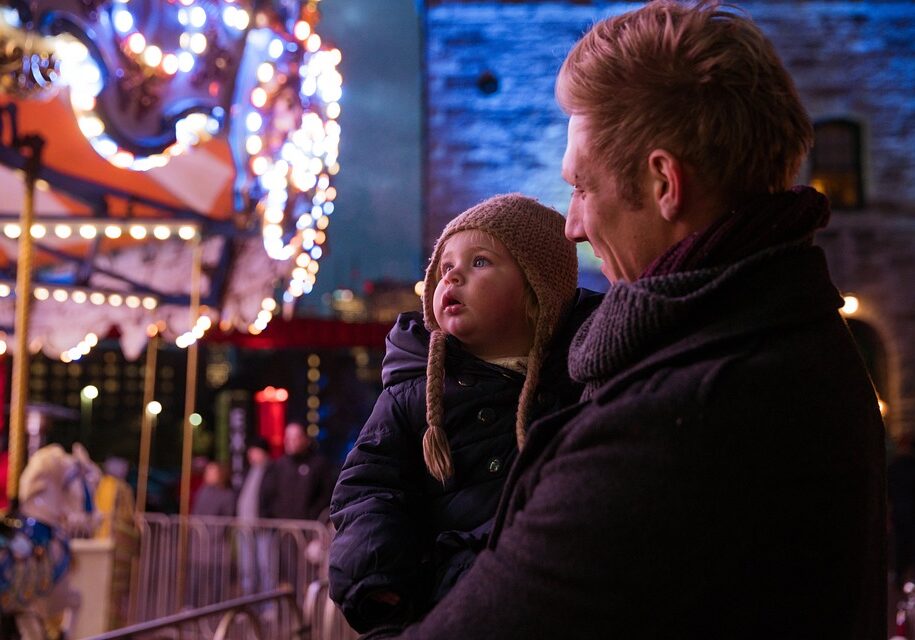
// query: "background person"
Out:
[210,552]
[298,484]
[214,497]
[254,544]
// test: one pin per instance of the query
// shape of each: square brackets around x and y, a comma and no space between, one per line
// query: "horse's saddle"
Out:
[33,557]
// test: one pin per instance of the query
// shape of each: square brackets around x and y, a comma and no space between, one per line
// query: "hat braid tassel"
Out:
[436,451]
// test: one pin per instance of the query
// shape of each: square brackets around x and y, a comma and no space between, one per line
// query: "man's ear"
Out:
[666,173]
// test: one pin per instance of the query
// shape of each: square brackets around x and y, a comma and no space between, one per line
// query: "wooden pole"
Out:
[190,391]
[146,422]
[20,385]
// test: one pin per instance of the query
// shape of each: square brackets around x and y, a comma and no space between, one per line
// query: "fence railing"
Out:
[229,559]
[238,617]
[322,617]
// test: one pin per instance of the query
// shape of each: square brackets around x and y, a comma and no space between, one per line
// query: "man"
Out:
[258,455]
[254,548]
[297,485]
[723,475]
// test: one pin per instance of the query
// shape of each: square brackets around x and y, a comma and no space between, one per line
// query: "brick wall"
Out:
[492,126]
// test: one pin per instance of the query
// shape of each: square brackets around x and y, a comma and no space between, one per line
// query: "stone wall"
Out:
[492,126]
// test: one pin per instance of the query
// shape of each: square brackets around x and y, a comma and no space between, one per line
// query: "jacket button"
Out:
[494,465]
[486,415]
[466,380]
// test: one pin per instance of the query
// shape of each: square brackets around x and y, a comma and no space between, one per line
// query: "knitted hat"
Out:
[534,236]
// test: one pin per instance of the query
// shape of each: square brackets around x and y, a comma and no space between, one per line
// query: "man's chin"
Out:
[608,273]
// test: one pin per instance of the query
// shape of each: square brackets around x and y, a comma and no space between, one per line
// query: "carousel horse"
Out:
[55,504]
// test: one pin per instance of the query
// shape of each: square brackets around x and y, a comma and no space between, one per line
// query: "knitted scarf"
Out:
[636,318]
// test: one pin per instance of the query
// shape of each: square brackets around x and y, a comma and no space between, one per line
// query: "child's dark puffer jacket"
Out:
[399,529]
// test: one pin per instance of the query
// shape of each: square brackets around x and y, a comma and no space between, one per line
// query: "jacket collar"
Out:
[653,320]
[407,354]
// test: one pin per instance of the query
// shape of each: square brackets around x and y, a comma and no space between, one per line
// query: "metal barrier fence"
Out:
[322,616]
[228,559]
[234,618]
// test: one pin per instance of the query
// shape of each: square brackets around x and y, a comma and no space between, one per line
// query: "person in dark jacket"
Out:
[298,484]
[723,476]
[417,493]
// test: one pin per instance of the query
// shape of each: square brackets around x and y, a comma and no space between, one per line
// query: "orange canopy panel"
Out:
[199,180]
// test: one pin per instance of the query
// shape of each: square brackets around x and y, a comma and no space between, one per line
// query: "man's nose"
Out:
[574,229]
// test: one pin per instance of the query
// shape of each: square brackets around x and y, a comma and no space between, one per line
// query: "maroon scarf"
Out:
[765,221]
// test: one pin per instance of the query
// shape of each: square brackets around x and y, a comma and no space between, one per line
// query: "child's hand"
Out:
[385,597]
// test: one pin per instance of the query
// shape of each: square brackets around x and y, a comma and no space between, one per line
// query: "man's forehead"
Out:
[569,161]
[568,169]
[572,159]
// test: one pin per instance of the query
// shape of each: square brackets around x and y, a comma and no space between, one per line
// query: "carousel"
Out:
[167,167]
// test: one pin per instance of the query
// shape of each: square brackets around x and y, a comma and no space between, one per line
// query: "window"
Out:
[835,163]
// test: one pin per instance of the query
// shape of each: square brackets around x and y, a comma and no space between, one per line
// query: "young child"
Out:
[416,496]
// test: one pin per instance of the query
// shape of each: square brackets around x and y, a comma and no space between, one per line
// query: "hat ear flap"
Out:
[436,451]
[430,281]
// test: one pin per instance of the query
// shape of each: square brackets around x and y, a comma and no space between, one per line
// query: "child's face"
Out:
[480,297]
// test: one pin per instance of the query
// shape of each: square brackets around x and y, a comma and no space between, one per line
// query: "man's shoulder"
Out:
[742,385]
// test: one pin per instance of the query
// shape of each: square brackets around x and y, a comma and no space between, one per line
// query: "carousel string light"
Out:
[203,324]
[297,165]
[82,348]
[264,316]
[80,72]
[289,133]
[191,41]
[88,229]
[83,295]
[293,172]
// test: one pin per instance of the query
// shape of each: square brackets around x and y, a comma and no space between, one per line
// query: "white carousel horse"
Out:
[56,492]
[58,488]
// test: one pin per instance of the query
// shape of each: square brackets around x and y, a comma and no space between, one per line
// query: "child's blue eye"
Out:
[479,261]
[446,268]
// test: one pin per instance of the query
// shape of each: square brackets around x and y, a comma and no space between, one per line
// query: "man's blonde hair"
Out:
[697,79]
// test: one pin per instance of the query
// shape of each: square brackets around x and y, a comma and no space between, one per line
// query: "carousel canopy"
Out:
[162,130]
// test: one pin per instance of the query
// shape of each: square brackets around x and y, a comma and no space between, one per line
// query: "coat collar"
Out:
[654,320]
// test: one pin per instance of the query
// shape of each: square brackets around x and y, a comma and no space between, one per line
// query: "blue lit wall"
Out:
[493,126]
[852,59]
